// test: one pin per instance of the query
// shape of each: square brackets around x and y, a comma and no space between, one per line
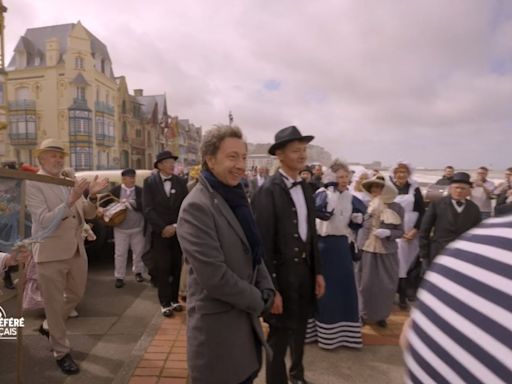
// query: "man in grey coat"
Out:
[229,286]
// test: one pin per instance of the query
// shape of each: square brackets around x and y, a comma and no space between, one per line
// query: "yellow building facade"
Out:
[61,84]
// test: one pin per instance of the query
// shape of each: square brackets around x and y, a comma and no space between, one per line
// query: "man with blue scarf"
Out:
[228,285]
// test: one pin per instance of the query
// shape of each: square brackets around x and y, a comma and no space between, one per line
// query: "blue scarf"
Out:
[236,199]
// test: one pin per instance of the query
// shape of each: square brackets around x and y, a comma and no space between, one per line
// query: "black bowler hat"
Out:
[164,155]
[287,135]
[461,178]
[129,172]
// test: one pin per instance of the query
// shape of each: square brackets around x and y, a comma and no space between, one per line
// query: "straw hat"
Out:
[51,145]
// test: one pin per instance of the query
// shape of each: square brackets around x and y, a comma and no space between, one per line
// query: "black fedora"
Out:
[164,155]
[287,135]
[461,178]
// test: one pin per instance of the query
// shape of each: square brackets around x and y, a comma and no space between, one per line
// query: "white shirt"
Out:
[167,184]
[260,180]
[459,209]
[300,204]
[480,197]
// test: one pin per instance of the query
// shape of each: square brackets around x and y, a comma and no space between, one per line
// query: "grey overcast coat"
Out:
[224,300]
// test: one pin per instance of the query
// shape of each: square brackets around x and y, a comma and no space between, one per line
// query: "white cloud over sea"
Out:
[429,81]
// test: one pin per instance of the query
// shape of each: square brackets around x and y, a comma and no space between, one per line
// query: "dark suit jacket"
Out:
[442,224]
[116,191]
[160,210]
[278,224]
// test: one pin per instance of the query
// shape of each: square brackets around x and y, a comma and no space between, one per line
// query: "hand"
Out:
[277,306]
[97,185]
[77,191]
[509,192]
[319,286]
[267,295]
[18,255]
[357,218]
[382,233]
[168,231]
[411,234]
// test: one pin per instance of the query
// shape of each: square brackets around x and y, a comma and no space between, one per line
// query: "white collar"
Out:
[287,179]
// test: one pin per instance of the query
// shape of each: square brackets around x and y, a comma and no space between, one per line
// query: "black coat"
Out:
[442,224]
[160,210]
[277,221]
[116,191]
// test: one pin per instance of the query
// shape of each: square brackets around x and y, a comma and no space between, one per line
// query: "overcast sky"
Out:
[428,81]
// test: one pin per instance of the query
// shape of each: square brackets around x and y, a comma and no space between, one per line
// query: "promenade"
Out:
[162,357]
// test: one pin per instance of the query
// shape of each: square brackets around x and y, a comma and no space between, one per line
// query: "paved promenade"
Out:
[162,357]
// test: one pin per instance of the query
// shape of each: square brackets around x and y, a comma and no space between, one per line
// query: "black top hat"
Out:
[287,135]
[461,177]
[164,155]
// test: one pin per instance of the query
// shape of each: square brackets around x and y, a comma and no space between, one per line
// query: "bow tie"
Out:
[168,179]
[459,203]
[295,183]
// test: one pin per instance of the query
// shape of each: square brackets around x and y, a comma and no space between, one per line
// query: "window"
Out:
[123,106]
[80,93]
[81,157]
[102,65]
[124,131]
[138,133]
[79,62]
[79,122]
[22,126]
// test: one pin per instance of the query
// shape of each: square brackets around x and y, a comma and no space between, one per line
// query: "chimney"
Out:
[138,92]
[52,52]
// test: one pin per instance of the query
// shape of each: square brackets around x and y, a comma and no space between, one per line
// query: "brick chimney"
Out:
[138,92]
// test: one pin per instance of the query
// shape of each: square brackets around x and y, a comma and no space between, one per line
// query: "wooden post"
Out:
[20,287]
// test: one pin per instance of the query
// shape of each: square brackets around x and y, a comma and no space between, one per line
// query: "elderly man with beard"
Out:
[61,258]
[228,284]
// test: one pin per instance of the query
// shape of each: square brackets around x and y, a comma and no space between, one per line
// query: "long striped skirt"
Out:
[336,322]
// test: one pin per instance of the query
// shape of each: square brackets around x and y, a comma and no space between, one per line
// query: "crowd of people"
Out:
[317,252]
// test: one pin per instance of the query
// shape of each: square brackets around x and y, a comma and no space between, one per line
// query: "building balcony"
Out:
[138,142]
[22,105]
[101,106]
[23,138]
[79,104]
[106,140]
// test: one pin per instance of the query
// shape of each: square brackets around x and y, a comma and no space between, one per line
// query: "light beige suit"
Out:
[61,258]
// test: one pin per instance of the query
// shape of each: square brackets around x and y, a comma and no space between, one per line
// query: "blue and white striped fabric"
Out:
[461,329]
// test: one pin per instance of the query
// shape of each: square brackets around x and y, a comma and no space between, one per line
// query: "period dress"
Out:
[336,322]
[378,268]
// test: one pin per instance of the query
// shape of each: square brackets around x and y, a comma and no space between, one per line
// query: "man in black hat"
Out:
[284,210]
[448,218]
[162,196]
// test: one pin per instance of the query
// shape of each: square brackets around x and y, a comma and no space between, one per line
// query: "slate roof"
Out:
[33,42]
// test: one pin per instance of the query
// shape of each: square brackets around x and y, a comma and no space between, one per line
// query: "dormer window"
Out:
[102,65]
[79,62]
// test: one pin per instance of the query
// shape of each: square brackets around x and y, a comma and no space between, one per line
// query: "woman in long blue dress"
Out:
[337,319]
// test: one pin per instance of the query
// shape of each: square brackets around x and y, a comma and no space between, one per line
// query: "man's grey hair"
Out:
[213,138]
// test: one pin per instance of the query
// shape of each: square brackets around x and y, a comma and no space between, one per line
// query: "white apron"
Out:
[407,249]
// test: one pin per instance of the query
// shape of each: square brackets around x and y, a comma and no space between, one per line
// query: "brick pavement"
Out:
[165,358]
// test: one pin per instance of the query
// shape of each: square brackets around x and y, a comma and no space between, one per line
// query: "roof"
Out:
[148,104]
[33,42]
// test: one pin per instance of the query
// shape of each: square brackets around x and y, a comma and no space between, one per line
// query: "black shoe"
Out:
[119,283]
[382,323]
[139,278]
[167,312]
[67,365]
[176,307]
[8,281]
[298,381]
[44,331]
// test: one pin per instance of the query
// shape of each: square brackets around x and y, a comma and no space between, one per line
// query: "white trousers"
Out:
[124,239]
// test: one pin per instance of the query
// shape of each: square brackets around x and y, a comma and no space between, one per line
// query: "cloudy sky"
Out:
[428,81]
